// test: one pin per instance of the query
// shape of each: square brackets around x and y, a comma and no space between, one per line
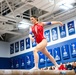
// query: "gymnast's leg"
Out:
[44,51]
[39,47]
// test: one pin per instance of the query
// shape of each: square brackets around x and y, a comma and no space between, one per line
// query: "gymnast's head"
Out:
[34,19]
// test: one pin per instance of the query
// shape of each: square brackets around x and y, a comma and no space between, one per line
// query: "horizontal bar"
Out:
[37,72]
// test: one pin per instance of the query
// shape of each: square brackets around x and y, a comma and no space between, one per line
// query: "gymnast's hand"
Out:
[32,39]
[61,24]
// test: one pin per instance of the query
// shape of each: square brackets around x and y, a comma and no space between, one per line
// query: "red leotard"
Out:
[38,32]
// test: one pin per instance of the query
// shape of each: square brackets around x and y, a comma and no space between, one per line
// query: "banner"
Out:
[47,59]
[47,35]
[54,34]
[65,52]
[62,31]
[42,58]
[57,55]
[12,48]
[27,43]
[28,61]
[21,45]
[34,42]
[71,28]
[16,46]
[22,63]
[73,49]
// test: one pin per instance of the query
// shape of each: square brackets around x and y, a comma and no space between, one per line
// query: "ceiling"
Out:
[12,12]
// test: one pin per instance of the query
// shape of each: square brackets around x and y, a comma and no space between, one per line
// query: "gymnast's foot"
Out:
[35,68]
[57,67]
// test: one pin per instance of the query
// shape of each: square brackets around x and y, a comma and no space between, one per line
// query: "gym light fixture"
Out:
[51,0]
[24,24]
[30,0]
[66,6]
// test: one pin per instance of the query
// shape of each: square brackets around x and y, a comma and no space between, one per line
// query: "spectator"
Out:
[62,67]
[50,68]
[69,66]
[46,68]
[74,66]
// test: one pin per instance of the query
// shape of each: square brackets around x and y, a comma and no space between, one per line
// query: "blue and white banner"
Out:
[16,46]
[65,52]
[71,28]
[12,48]
[22,63]
[22,45]
[62,31]
[12,64]
[27,43]
[34,42]
[17,64]
[33,63]
[28,61]
[47,35]
[54,33]
[57,55]
[47,59]
[73,49]
[42,58]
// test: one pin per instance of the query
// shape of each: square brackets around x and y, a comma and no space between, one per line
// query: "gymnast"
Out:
[38,30]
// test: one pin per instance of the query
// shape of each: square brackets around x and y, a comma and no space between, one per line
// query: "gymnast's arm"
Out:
[30,34]
[52,23]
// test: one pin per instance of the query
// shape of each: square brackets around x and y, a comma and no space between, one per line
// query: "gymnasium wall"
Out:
[4,49]
[62,45]
[4,55]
